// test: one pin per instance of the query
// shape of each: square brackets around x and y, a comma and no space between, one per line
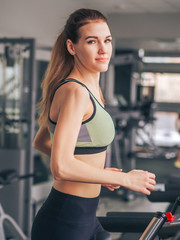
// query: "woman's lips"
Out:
[102,59]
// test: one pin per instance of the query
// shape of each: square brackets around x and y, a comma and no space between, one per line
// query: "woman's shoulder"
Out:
[72,91]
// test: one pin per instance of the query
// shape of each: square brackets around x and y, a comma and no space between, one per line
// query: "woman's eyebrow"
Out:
[109,36]
[95,37]
[90,37]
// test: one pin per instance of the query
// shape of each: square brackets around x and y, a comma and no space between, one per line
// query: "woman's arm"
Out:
[63,163]
[42,141]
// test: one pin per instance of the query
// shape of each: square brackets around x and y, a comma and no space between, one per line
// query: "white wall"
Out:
[145,25]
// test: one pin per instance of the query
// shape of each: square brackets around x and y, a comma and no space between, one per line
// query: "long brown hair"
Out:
[62,62]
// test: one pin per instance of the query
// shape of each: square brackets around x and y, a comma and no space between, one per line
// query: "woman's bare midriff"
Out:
[87,190]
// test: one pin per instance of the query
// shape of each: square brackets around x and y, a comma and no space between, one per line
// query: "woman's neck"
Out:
[91,80]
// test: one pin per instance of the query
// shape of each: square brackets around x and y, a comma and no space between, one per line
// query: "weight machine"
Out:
[17,116]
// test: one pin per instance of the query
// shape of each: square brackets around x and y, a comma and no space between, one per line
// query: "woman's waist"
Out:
[84,190]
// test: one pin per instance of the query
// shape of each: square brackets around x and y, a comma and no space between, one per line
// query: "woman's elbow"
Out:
[59,173]
[34,144]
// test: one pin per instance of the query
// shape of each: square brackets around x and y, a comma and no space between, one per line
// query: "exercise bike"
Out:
[9,229]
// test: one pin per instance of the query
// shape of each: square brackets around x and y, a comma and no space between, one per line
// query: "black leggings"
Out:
[66,217]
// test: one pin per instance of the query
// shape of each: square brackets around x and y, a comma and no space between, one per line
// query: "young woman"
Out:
[75,131]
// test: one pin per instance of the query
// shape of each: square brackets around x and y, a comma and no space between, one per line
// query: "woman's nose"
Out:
[102,49]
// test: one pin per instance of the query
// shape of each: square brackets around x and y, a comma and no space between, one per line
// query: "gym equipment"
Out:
[135,101]
[132,223]
[17,120]
[165,192]
[144,134]
[129,122]
[164,225]
[103,236]
[132,125]
[9,229]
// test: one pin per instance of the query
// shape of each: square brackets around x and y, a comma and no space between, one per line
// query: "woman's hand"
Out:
[140,181]
[42,141]
[110,186]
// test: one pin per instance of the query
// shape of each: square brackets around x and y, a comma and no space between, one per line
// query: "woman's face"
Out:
[94,48]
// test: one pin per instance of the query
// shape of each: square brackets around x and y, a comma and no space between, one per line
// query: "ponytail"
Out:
[60,66]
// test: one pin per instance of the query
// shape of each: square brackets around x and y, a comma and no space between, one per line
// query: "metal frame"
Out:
[29,166]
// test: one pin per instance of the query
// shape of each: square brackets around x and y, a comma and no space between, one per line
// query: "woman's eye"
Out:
[108,40]
[91,42]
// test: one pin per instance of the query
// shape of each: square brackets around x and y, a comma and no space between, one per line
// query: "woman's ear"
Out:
[70,47]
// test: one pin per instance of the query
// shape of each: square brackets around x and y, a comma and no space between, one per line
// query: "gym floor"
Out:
[113,201]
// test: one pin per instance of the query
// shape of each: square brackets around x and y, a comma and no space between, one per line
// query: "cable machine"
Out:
[17,120]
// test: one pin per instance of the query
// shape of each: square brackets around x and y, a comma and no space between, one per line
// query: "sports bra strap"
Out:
[82,84]
[74,80]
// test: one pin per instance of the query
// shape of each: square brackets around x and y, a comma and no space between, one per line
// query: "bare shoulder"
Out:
[72,92]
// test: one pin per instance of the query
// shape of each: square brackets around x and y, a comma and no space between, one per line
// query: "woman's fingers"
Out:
[146,191]
[150,187]
[152,181]
[114,169]
[111,187]
[151,175]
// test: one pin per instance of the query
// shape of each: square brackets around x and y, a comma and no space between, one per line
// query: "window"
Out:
[162,60]
[167,86]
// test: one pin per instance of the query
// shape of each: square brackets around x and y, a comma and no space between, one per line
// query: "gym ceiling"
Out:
[148,24]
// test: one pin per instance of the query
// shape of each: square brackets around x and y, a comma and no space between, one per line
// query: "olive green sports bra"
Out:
[96,133]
